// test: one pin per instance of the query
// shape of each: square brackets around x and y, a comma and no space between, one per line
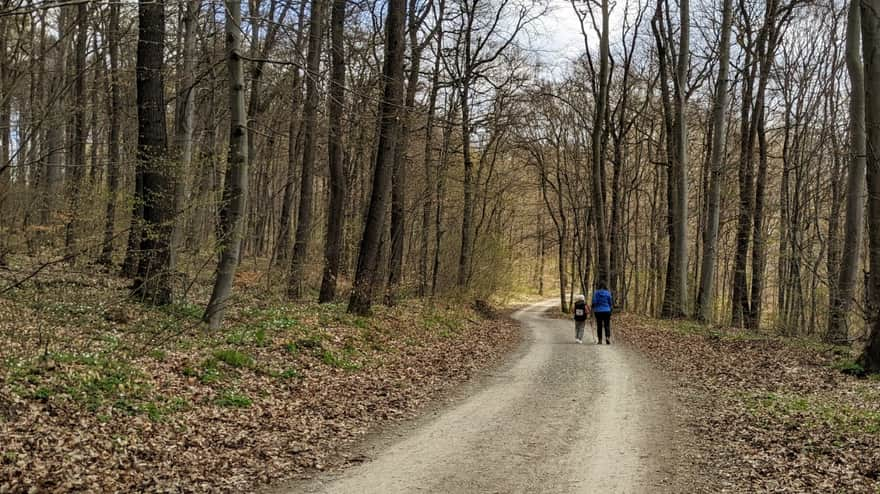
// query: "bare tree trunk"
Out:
[80,132]
[464,258]
[295,282]
[706,295]
[541,254]
[870,17]
[338,187]
[183,120]
[153,280]
[5,142]
[428,158]
[842,298]
[770,32]
[678,307]
[113,146]
[675,292]
[235,189]
[55,133]
[389,111]
[294,131]
[597,144]
[740,298]
[398,181]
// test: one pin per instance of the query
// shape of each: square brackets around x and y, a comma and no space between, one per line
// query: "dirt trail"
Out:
[560,418]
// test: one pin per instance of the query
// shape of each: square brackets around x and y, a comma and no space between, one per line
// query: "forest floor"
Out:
[101,393]
[769,414]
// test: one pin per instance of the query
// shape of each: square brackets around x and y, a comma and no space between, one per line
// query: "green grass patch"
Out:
[340,361]
[183,310]
[292,348]
[445,323]
[290,374]
[232,399]
[234,358]
[814,412]
[158,410]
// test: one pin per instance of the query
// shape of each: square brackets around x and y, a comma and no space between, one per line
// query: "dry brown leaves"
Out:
[153,403]
[770,415]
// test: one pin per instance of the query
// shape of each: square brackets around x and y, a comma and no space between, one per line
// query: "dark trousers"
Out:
[603,319]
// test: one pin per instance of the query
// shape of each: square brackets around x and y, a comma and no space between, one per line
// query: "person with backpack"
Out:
[580,318]
[601,306]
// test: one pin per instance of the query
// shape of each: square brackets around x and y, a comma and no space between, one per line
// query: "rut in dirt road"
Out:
[560,418]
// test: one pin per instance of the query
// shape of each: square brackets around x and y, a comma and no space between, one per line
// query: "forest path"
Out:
[558,418]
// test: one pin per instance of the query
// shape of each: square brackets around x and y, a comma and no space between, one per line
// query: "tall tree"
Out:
[296,282]
[153,280]
[870,17]
[184,112]
[389,110]
[428,153]
[336,207]
[235,190]
[293,140]
[80,131]
[477,50]
[674,108]
[597,142]
[842,298]
[398,176]
[114,154]
[706,295]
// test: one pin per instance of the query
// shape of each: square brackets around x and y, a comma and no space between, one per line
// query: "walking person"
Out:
[601,306]
[580,318]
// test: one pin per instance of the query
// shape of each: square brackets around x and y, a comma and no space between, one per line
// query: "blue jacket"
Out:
[601,301]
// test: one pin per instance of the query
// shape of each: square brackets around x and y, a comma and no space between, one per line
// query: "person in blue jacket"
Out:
[601,308]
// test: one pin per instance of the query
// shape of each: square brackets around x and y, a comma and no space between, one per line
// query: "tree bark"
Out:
[428,157]
[706,295]
[389,111]
[870,17]
[79,134]
[338,188]
[294,131]
[153,280]
[603,266]
[113,145]
[235,189]
[296,282]
[678,306]
[183,120]
[842,298]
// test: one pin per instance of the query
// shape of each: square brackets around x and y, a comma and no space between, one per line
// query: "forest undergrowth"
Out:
[769,414]
[101,393]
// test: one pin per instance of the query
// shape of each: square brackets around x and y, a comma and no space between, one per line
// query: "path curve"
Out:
[559,418]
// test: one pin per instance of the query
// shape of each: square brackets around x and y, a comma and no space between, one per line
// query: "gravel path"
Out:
[558,418]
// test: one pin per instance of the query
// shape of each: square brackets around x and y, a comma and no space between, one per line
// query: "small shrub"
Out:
[850,367]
